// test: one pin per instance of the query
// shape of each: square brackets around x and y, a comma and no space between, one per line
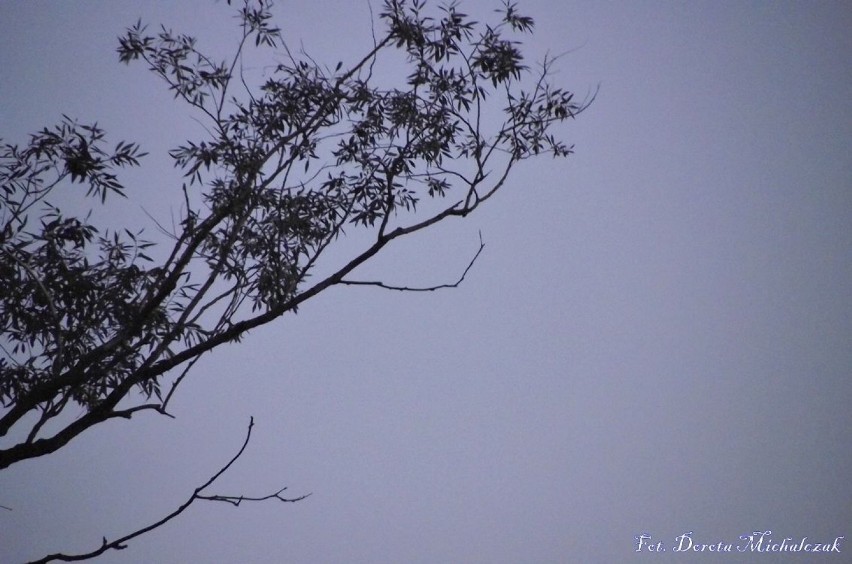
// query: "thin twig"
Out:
[426,289]
[119,544]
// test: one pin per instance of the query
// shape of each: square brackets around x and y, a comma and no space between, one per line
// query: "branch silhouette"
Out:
[120,543]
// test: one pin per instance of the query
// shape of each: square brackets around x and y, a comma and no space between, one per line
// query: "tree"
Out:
[92,322]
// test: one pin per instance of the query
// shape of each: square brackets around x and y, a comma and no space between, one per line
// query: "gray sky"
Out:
[655,340]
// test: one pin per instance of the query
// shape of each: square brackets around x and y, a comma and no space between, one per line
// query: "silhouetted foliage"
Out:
[89,320]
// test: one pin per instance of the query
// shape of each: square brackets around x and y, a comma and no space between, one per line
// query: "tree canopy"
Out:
[94,328]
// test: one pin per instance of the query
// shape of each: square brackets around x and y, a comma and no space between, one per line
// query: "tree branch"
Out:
[455,284]
[237,500]
[119,544]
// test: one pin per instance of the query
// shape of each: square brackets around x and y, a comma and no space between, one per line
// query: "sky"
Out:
[657,338]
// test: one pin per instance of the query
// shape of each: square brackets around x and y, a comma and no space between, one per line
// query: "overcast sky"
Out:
[657,338]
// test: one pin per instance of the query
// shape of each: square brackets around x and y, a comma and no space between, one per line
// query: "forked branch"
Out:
[455,284]
[120,543]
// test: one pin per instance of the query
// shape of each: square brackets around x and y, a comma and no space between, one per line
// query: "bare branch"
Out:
[421,289]
[237,500]
[120,543]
